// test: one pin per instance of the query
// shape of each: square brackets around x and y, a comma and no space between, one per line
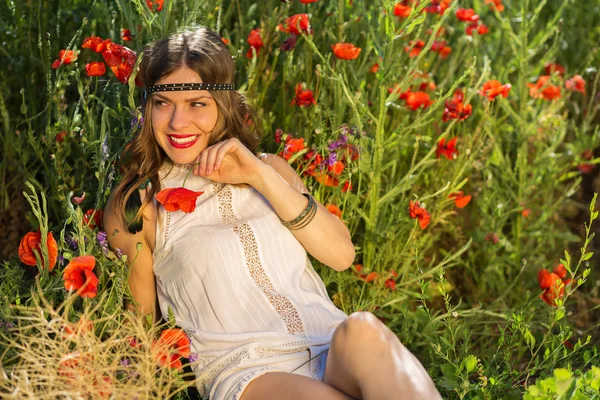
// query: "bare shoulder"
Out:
[285,170]
[148,233]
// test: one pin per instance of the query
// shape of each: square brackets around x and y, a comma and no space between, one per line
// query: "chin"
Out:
[182,158]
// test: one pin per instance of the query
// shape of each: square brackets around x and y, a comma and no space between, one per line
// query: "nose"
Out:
[179,119]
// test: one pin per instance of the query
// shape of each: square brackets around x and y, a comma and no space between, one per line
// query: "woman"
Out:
[235,271]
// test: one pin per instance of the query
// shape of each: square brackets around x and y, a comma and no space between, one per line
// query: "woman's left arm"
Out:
[326,238]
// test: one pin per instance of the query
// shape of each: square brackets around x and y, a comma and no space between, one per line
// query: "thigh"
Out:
[283,385]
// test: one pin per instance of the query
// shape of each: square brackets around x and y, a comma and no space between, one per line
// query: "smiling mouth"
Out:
[182,139]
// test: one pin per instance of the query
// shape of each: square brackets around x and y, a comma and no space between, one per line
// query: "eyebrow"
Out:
[204,96]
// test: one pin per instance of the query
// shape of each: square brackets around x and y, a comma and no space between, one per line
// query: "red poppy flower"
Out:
[121,60]
[460,200]
[304,98]
[480,28]
[95,43]
[561,271]
[224,40]
[179,198]
[365,277]
[345,51]
[576,84]
[440,47]
[97,218]
[374,68]
[75,364]
[335,210]
[60,137]
[438,6]
[455,109]
[543,89]
[170,347]
[447,150]
[255,41]
[325,179]
[467,15]
[82,327]
[155,5]
[31,244]
[296,24]
[492,89]
[294,145]
[125,34]
[347,187]
[525,213]
[495,4]
[349,152]
[414,48]
[414,100]
[552,68]
[115,55]
[586,168]
[391,284]
[96,68]
[308,1]
[553,284]
[337,168]
[401,10]
[78,275]
[416,211]
[64,57]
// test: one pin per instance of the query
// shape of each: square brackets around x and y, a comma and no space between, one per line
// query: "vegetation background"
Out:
[458,199]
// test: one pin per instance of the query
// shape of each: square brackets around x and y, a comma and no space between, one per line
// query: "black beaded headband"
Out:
[171,87]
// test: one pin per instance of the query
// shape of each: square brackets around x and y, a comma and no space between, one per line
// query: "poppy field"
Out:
[457,139]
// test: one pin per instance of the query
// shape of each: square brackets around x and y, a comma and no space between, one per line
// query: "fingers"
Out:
[208,157]
[221,152]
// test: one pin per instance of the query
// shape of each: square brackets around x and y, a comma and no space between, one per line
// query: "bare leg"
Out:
[367,361]
[283,385]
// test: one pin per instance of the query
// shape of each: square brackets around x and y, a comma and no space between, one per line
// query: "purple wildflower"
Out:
[61,260]
[71,242]
[125,362]
[331,159]
[101,237]
[193,357]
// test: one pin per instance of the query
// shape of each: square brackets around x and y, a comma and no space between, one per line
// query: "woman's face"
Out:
[182,121]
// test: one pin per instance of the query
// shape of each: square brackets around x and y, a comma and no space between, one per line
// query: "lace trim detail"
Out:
[166,233]
[283,306]
[211,375]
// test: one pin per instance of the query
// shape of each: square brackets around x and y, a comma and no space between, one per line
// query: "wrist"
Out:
[263,174]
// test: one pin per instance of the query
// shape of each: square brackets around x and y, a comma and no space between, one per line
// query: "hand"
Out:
[228,161]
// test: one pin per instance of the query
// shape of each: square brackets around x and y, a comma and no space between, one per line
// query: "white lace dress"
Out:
[237,281]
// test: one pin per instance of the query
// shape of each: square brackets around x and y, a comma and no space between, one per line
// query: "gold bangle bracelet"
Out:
[299,219]
[306,220]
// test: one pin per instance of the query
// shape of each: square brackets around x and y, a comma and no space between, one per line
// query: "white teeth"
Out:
[184,140]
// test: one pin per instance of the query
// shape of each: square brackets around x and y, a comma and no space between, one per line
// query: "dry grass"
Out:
[48,356]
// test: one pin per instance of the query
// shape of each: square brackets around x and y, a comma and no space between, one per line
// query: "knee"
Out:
[362,329]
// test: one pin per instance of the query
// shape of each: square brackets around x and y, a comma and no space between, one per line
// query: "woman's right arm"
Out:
[141,277]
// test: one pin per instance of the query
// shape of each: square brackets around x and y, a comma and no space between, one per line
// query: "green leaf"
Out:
[568,260]
[587,256]
[562,374]
[470,363]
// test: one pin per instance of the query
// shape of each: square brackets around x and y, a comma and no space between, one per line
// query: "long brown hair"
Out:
[203,51]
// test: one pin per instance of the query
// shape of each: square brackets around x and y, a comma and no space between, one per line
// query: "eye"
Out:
[159,103]
[198,104]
